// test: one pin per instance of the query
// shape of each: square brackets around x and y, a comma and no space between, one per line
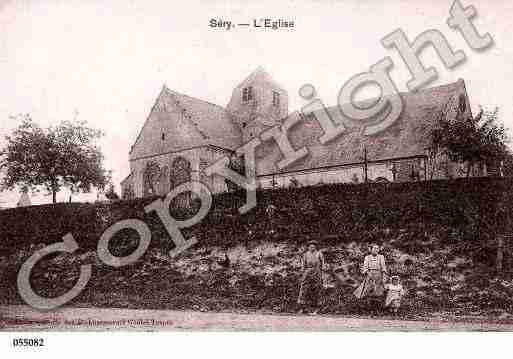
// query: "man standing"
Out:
[310,292]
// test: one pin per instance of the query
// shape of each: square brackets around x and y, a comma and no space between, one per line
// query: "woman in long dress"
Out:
[310,291]
[374,269]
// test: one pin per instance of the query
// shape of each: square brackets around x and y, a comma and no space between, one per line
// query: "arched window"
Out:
[151,176]
[180,172]
[276,98]
[164,181]
[247,94]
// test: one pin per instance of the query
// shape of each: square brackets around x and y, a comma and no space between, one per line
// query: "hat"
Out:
[314,242]
[394,277]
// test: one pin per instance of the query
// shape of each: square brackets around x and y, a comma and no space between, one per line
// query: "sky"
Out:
[106,62]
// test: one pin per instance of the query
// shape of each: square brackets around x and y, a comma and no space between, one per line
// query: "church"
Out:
[183,135]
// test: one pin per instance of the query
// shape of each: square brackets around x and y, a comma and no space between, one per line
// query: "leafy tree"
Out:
[60,156]
[471,140]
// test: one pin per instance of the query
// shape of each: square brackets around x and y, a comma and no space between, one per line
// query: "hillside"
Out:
[438,236]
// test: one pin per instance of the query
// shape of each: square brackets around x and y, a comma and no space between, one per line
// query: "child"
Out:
[395,292]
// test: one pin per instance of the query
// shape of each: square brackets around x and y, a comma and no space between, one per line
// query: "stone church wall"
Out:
[208,156]
[410,170]
[261,103]
[442,167]
[198,158]
[260,112]
[343,174]
[161,181]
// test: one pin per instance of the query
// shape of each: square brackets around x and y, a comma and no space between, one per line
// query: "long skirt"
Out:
[311,286]
[393,303]
[393,300]
[372,285]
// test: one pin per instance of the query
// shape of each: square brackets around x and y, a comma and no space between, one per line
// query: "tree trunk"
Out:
[54,187]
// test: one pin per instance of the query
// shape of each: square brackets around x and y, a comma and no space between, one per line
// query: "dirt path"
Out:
[14,318]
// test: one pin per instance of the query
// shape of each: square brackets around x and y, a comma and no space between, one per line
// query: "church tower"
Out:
[257,104]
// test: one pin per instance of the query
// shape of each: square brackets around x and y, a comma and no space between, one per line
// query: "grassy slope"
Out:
[442,269]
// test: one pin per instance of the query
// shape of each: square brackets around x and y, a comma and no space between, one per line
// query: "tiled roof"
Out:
[259,75]
[212,121]
[407,136]
[186,122]
[204,123]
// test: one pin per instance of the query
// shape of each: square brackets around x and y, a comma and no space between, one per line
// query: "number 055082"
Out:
[28,342]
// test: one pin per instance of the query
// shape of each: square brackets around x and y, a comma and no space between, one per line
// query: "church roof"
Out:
[259,75]
[185,122]
[212,121]
[189,122]
[407,136]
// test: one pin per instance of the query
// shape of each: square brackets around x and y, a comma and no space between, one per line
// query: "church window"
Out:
[163,136]
[179,173]
[276,98]
[247,94]
[151,177]
[462,103]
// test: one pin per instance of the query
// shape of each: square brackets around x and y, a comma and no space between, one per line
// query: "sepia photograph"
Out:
[234,166]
